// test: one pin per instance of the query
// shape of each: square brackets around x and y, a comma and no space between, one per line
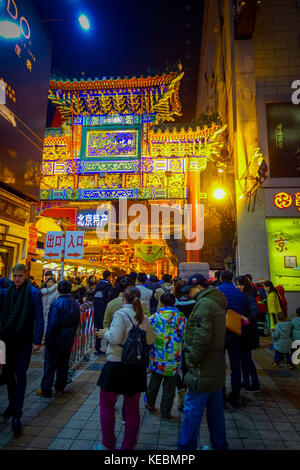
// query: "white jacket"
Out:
[119,329]
[49,295]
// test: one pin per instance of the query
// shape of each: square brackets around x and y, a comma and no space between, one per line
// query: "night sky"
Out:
[127,37]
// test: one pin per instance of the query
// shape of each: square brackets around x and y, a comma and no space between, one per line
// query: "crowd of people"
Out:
[175,331]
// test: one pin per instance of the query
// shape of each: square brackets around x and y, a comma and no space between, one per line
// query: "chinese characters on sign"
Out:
[74,245]
[54,245]
[71,243]
[92,220]
[32,242]
[281,244]
[284,200]
[149,253]
[284,252]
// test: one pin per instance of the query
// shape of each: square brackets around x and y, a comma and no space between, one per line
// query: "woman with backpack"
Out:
[118,377]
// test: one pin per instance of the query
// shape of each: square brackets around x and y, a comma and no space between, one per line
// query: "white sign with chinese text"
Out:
[74,242]
[54,245]
[91,219]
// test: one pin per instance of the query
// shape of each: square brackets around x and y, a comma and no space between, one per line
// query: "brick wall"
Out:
[277,46]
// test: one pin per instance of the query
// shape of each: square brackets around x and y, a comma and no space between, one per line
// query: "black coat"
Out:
[63,321]
[250,336]
[153,302]
[33,327]
[102,293]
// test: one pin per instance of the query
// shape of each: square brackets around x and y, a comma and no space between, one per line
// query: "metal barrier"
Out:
[85,337]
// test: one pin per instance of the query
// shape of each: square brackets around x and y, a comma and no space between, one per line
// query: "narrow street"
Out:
[269,420]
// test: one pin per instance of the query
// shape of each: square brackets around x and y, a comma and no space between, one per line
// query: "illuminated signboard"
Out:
[89,220]
[282,202]
[25,55]
[284,252]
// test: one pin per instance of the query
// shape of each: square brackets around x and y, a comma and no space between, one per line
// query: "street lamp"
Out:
[219,193]
[84,22]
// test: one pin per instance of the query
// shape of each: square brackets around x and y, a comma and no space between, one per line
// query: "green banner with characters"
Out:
[284,252]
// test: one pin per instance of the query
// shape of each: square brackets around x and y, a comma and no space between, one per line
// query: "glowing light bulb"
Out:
[219,193]
[84,22]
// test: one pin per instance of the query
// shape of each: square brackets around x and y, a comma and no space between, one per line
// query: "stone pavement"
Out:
[269,420]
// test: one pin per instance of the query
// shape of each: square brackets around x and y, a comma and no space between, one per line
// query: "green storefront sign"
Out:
[284,252]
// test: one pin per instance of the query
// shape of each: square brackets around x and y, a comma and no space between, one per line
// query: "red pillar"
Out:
[194,256]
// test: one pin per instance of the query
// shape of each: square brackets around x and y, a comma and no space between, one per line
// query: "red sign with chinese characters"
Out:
[32,241]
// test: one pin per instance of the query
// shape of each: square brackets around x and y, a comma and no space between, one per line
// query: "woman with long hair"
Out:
[78,290]
[118,378]
[274,305]
[249,337]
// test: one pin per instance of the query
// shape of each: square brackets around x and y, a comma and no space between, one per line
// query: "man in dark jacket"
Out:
[204,356]
[153,285]
[21,324]
[63,321]
[237,302]
[102,292]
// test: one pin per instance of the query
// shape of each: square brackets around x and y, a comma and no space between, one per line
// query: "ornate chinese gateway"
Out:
[110,146]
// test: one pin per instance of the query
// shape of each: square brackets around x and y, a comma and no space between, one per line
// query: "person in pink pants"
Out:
[117,378]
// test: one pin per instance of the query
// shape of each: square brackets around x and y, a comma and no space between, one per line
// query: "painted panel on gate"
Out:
[112,143]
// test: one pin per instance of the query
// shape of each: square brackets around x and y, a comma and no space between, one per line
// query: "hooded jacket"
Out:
[165,357]
[281,337]
[49,295]
[204,342]
[63,321]
[295,324]
[185,305]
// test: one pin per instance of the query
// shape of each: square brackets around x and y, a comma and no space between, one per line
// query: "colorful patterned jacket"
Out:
[165,355]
